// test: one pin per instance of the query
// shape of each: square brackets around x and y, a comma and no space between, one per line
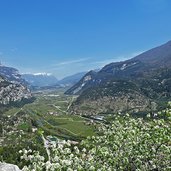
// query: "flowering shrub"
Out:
[127,144]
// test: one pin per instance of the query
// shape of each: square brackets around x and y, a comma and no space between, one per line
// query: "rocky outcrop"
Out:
[12,92]
[86,81]
[8,167]
[11,74]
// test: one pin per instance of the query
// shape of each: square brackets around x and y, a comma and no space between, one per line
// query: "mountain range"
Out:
[72,79]
[11,74]
[45,80]
[40,79]
[130,85]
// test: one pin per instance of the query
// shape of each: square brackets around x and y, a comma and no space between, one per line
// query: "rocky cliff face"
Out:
[11,92]
[11,74]
[85,82]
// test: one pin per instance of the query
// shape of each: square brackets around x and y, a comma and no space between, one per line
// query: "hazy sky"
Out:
[68,36]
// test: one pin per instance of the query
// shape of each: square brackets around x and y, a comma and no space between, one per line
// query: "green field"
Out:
[49,112]
[73,124]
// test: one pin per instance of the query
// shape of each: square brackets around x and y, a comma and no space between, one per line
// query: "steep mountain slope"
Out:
[13,88]
[84,82]
[153,59]
[40,79]
[11,92]
[72,79]
[128,85]
[11,74]
[133,95]
[157,57]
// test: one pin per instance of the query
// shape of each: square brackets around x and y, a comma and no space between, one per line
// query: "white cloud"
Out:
[136,54]
[13,49]
[63,63]
[69,67]
[102,63]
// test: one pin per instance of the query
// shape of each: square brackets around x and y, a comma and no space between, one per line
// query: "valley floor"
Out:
[21,127]
[44,135]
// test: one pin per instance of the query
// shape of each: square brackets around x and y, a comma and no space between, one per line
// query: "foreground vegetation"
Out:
[20,125]
[125,144]
[44,136]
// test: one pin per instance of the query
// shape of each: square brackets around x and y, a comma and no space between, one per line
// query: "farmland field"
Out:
[49,112]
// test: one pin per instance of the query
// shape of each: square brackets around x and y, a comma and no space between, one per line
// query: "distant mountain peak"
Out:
[40,79]
[169,42]
[71,79]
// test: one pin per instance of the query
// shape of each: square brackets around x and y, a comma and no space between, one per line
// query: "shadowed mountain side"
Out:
[143,79]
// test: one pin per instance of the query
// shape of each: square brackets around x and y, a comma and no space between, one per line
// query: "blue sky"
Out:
[68,36]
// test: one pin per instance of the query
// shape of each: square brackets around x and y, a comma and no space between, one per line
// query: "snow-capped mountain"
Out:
[40,79]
